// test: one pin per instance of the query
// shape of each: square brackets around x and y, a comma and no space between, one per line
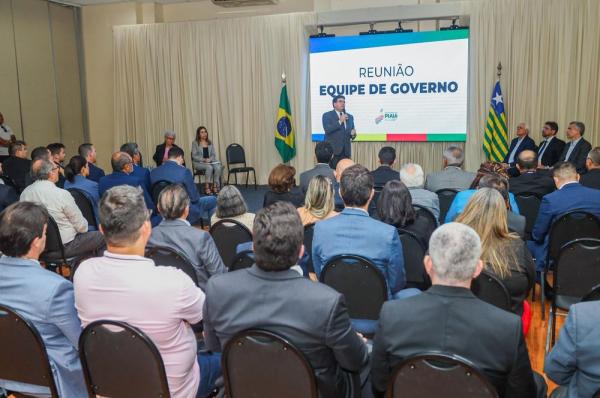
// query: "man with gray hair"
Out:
[448,318]
[72,226]
[411,174]
[452,176]
[577,150]
[591,179]
[520,143]
[139,171]
[162,151]
[163,302]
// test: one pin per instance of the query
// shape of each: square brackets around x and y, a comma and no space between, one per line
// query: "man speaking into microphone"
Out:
[339,129]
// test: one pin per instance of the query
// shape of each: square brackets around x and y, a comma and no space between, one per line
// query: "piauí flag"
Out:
[495,140]
[285,139]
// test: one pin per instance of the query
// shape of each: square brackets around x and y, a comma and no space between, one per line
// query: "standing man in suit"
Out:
[405,326]
[339,129]
[551,147]
[577,150]
[530,180]
[162,151]
[385,173]
[520,143]
[323,154]
[591,179]
[265,296]
[452,176]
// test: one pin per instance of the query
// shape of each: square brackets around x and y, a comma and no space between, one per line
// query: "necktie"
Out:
[542,149]
[4,128]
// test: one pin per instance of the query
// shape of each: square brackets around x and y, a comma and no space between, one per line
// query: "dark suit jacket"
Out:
[142,174]
[320,169]
[318,323]
[489,337]
[532,182]
[159,153]
[8,196]
[591,179]
[295,197]
[552,154]
[336,135]
[17,169]
[383,174]
[96,173]
[578,155]
[527,143]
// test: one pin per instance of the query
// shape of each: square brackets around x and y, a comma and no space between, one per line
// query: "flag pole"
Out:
[283,82]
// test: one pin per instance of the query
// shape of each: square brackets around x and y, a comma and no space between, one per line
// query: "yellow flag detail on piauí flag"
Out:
[495,139]
[285,138]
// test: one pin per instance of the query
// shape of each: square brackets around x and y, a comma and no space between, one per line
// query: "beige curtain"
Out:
[225,74]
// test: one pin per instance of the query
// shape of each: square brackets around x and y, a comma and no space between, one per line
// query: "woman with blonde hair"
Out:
[319,202]
[503,253]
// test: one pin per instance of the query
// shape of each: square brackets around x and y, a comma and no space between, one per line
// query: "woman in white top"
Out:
[231,205]
[204,158]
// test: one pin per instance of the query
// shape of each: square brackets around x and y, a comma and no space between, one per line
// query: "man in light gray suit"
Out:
[270,296]
[412,176]
[323,154]
[452,176]
[176,232]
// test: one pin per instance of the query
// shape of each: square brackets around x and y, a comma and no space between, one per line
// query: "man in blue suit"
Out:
[339,129]
[354,232]
[570,195]
[521,142]
[40,296]
[139,171]
[88,151]
[174,172]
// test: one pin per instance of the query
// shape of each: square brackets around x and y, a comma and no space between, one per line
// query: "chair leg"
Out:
[254,174]
[228,175]
[235,176]
[543,294]
[247,177]
[554,315]
[533,293]
[548,333]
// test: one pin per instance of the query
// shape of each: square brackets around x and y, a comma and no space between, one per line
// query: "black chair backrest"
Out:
[414,252]
[423,212]
[593,294]
[257,363]
[54,246]
[529,206]
[119,360]
[24,358]
[434,375]
[489,288]
[446,196]
[577,270]
[361,283]
[242,260]
[157,188]
[235,154]
[85,205]
[170,257]
[309,231]
[570,226]
[227,234]
[10,182]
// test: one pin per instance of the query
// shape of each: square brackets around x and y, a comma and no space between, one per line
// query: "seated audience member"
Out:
[577,149]
[40,152]
[72,226]
[461,198]
[139,171]
[162,151]
[282,187]
[162,302]
[491,338]
[530,180]
[503,253]
[174,172]
[318,324]
[57,155]
[42,297]
[17,166]
[412,176]
[570,195]
[176,232]
[323,154]
[318,204]
[591,179]
[204,157]
[354,232]
[231,205]
[573,362]
[8,196]
[551,146]
[394,207]
[520,143]
[452,176]
[342,165]
[88,152]
[385,173]
[76,174]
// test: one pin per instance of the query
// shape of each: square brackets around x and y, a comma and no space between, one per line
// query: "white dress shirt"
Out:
[571,147]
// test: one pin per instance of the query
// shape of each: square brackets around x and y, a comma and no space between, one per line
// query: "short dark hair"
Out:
[527,163]
[130,148]
[387,155]
[16,146]
[553,125]
[74,167]
[20,224]
[356,185]
[281,178]
[119,160]
[493,180]
[85,149]
[277,236]
[337,97]
[122,212]
[394,205]
[594,156]
[323,152]
[580,126]
[55,148]
[176,152]
[40,152]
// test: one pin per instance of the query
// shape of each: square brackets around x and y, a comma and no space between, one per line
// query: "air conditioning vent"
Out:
[244,3]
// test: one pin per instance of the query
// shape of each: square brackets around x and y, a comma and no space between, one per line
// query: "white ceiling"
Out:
[92,2]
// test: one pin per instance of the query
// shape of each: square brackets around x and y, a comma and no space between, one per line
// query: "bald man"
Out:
[530,180]
[342,165]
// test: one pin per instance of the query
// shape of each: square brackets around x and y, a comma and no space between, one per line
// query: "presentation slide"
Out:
[398,86]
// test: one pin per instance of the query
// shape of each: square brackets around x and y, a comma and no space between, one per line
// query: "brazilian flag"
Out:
[285,139]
